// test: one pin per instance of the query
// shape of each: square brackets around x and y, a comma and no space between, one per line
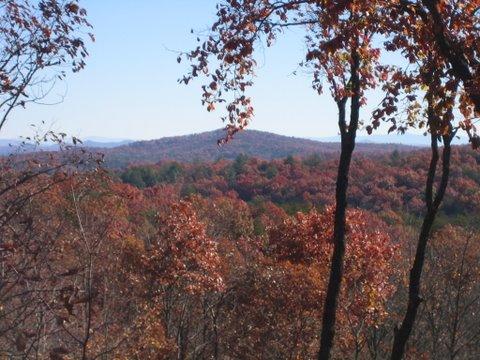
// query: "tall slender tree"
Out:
[435,72]
[339,38]
[439,113]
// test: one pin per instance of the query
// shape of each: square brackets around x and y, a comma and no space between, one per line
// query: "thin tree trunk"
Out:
[348,134]
[433,203]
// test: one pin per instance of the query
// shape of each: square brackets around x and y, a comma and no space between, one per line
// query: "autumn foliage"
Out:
[307,240]
[94,266]
[294,258]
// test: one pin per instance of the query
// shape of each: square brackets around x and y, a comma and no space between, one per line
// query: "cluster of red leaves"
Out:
[182,254]
[370,254]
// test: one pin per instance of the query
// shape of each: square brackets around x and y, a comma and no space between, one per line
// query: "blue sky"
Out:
[129,88]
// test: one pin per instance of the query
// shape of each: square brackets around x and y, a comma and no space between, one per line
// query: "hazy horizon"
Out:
[377,138]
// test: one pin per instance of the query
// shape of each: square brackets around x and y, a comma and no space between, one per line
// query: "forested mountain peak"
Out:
[204,147]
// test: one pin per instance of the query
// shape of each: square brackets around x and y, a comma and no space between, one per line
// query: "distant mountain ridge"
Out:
[399,139]
[9,146]
[203,147]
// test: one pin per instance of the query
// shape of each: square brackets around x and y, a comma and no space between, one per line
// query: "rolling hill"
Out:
[203,147]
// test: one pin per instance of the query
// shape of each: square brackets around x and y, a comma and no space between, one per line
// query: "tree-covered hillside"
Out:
[204,147]
[390,184]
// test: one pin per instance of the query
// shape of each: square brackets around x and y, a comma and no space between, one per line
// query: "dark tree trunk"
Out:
[433,203]
[348,134]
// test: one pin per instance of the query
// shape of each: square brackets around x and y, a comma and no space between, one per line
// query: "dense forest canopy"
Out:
[389,184]
[183,257]
[277,248]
